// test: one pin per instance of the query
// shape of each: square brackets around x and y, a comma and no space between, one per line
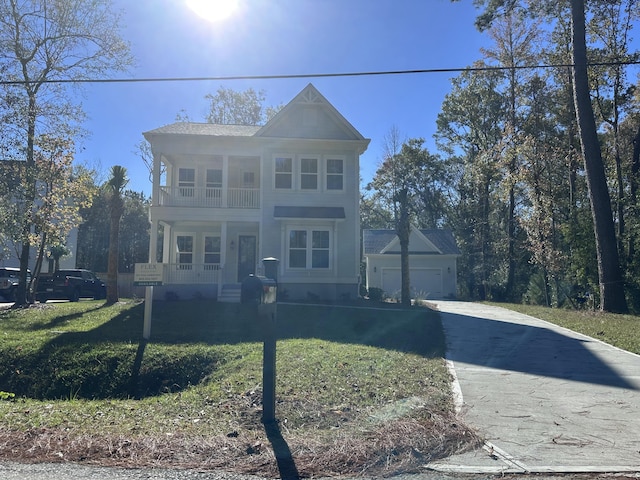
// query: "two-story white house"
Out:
[227,196]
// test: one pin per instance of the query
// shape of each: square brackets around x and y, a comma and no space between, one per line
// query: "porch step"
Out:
[230,293]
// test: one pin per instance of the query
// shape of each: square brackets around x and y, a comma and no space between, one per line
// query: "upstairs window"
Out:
[214,187]
[187,181]
[214,178]
[249,179]
[309,173]
[284,173]
[335,174]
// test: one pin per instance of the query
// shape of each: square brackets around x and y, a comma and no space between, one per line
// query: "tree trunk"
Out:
[30,197]
[633,190]
[112,269]
[612,298]
[403,229]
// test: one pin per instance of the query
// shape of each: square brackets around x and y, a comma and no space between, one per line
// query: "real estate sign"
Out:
[148,274]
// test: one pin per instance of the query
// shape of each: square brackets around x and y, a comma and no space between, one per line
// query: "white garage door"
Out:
[425,282]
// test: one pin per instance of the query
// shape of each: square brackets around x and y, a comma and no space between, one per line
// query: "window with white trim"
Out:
[284,173]
[214,186]
[335,174]
[214,178]
[248,179]
[186,181]
[211,252]
[309,248]
[184,246]
[308,173]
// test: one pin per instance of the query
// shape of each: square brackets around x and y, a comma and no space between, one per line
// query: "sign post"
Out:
[148,275]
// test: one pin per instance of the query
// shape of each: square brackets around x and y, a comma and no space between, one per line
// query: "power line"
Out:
[317,75]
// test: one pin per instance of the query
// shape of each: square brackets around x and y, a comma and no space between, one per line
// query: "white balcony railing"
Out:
[209,197]
[190,273]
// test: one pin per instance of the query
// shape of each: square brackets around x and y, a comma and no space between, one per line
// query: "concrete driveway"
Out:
[546,399]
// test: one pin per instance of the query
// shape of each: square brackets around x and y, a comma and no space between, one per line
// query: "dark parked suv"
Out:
[9,278]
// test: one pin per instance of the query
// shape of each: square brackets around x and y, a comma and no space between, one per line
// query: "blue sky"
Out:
[282,37]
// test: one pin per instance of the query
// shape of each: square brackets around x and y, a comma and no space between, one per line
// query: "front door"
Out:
[246,256]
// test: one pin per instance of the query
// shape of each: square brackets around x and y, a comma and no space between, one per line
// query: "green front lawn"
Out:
[358,390]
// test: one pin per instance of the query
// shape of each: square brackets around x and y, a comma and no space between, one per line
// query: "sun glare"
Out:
[213,10]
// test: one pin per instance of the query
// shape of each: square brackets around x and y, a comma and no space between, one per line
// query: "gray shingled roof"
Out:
[208,129]
[375,240]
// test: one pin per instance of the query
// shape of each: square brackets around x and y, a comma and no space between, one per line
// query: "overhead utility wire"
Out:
[314,75]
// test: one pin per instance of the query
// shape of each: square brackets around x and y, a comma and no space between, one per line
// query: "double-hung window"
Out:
[184,245]
[214,185]
[309,248]
[187,181]
[308,173]
[211,252]
[335,174]
[284,173]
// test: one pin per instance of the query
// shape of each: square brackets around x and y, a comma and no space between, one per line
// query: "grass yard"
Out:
[359,391]
[622,331]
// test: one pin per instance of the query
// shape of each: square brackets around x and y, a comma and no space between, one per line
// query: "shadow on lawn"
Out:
[113,361]
[417,330]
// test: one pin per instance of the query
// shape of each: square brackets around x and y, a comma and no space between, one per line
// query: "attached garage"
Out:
[432,258]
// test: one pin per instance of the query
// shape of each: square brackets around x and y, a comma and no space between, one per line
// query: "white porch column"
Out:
[167,247]
[153,243]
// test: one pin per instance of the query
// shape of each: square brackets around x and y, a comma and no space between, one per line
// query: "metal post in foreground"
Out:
[148,304]
[269,368]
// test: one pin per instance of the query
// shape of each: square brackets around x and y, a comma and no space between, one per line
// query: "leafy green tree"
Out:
[134,231]
[93,233]
[612,297]
[56,252]
[515,45]
[62,190]
[41,42]
[470,129]
[114,187]
[413,183]
[610,33]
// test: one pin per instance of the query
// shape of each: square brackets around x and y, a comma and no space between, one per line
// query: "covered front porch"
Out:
[207,260]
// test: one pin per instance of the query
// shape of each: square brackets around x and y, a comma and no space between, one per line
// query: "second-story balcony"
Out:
[209,197]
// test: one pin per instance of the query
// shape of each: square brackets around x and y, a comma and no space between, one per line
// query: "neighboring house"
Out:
[226,196]
[432,261]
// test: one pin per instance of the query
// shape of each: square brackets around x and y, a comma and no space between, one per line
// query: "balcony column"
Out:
[155,192]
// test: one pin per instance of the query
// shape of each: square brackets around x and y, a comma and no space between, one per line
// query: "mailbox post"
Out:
[261,292]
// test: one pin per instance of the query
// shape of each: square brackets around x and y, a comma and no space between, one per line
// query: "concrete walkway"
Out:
[546,399]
